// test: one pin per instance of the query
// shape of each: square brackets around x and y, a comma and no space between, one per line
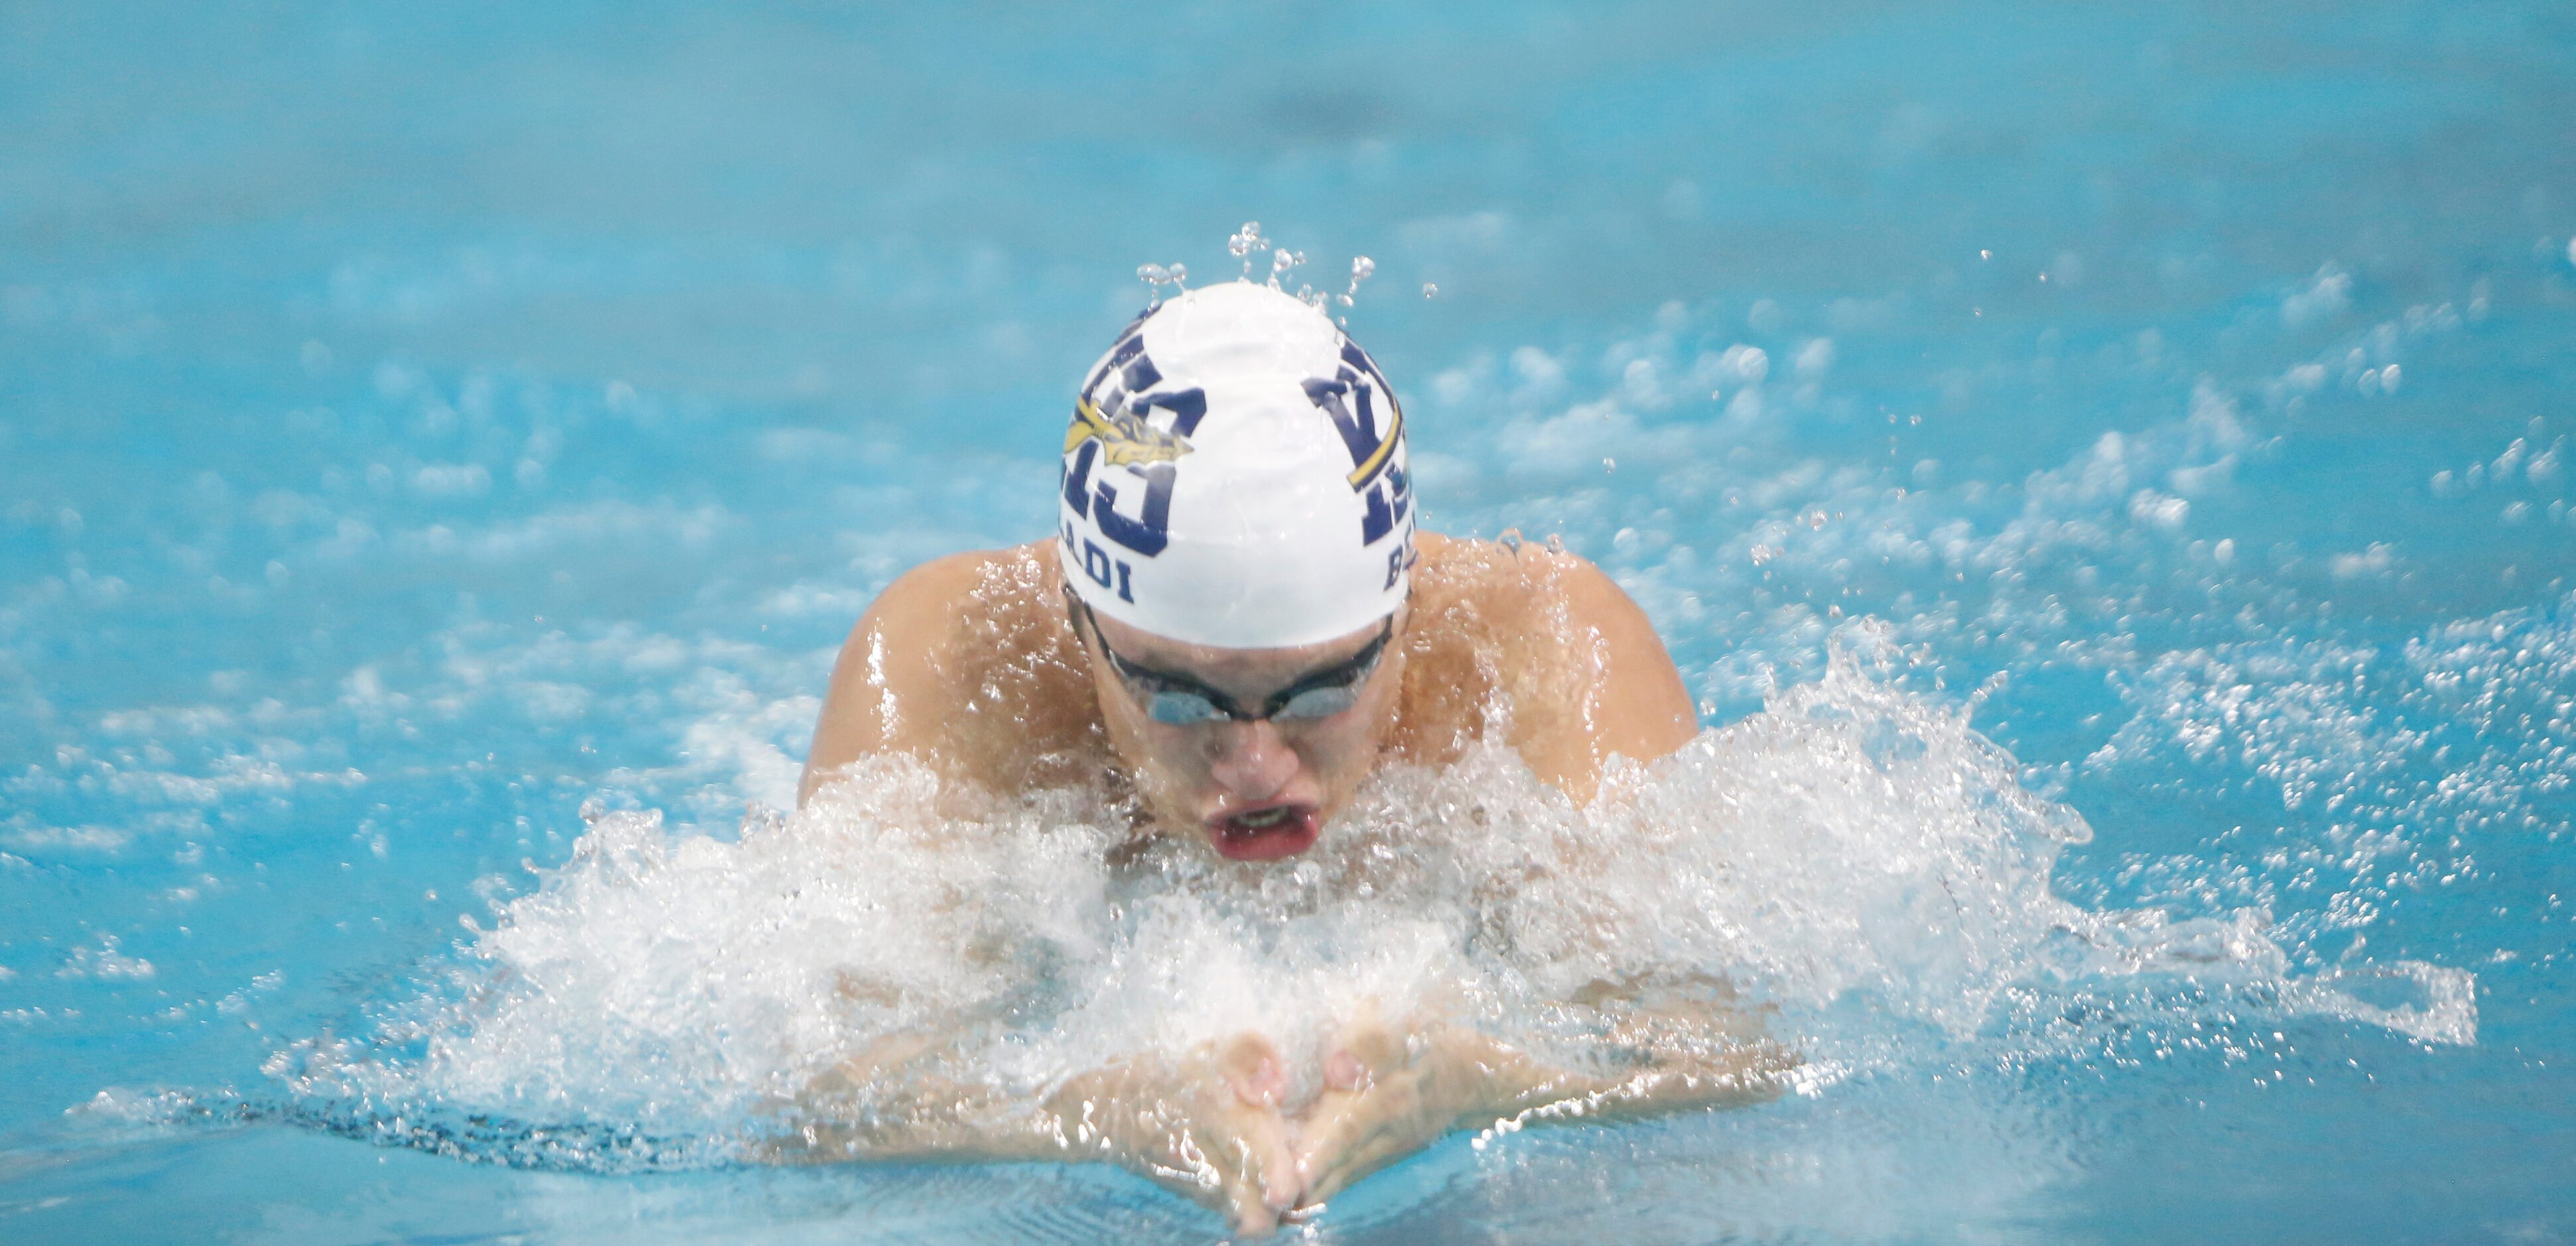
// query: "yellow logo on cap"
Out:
[1376,460]
[1125,440]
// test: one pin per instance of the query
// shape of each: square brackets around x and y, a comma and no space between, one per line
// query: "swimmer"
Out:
[1235,624]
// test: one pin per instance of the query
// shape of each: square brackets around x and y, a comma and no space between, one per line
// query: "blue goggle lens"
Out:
[1183,709]
[1189,709]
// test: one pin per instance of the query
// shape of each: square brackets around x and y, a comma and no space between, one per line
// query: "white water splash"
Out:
[1854,859]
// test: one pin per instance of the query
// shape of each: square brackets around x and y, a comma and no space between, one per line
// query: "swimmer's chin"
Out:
[1269,833]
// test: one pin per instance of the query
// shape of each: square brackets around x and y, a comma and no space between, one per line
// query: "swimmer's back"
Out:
[968,663]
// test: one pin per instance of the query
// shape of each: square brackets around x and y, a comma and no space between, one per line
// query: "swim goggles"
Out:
[1180,701]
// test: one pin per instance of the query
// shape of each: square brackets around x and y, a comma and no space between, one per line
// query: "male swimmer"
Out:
[1235,624]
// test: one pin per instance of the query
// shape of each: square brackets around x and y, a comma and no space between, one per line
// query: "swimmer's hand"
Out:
[1209,1123]
[1389,1092]
[1206,1124]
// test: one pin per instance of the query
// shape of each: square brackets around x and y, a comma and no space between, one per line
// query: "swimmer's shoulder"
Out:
[1514,582]
[962,662]
[1552,632]
[928,607]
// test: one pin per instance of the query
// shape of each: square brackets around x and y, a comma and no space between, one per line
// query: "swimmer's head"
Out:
[1235,476]
[1236,539]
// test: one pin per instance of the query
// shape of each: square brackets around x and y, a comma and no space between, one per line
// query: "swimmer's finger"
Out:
[1327,1124]
[1381,1149]
[1264,1181]
[1260,1161]
[1253,1080]
[1357,1127]
[1283,1186]
[1249,1208]
[1365,1139]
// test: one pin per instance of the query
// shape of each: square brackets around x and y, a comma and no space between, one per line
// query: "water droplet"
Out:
[1245,243]
[1985,255]
[1152,274]
[1362,268]
[1282,260]
[1430,291]
[1180,274]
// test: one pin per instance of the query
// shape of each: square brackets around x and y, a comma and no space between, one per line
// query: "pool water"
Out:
[2103,470]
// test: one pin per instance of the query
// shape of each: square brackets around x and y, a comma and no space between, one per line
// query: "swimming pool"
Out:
[2103,470]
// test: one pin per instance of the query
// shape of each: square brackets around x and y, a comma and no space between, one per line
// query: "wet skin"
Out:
[973,665]
[1214,1123]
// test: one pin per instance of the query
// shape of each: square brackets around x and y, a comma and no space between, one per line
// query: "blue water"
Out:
[415,423]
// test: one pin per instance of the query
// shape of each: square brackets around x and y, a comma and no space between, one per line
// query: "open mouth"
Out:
[1264,834]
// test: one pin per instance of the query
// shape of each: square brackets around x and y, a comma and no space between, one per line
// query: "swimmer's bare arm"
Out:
[888,679]
[1205,1122]
[1638,707]
[1554,637]
[1389,1093]
[964,662]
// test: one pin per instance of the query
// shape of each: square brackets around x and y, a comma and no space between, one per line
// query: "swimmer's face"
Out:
[1258,790]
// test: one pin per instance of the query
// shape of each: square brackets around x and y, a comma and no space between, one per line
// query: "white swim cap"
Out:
[1234,475]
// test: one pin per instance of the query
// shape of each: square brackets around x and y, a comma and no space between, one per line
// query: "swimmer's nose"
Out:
[1252,762]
